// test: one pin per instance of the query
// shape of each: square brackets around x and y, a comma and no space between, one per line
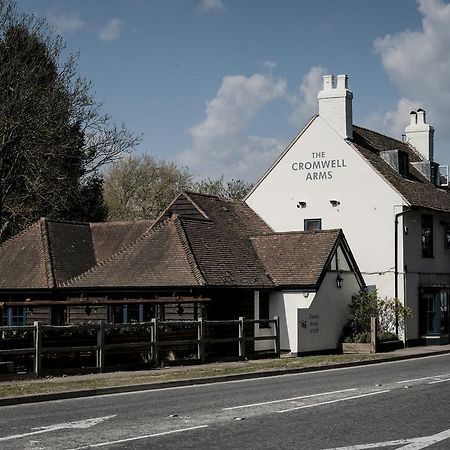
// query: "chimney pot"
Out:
[342,82]
[329,82]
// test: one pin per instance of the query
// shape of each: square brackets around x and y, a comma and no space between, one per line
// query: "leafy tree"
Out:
[53,135]
[236,189]
[139,187]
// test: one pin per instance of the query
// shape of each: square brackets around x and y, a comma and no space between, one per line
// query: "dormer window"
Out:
[403,164]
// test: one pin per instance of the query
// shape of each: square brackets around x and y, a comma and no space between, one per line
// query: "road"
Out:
[395,405]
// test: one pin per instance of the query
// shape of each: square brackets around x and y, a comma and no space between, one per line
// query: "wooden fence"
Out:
[150,337]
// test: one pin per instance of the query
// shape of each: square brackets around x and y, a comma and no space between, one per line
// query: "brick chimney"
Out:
[420,135]
[335,104]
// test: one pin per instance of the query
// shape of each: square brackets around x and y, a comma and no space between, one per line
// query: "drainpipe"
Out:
[397,215]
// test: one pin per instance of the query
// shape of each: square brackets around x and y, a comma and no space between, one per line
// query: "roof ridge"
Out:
[192,260]
[286,233]
[45,240]
[115,222]
[189,192]
[153,228]
[380,134]
[69,222]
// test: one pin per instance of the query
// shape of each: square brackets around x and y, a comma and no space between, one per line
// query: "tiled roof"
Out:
[296,258]
[23,260]
[158,258]
[416,189]
[200,241]
[109,237]
[51,252]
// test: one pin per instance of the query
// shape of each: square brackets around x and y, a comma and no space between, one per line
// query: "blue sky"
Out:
[222,86]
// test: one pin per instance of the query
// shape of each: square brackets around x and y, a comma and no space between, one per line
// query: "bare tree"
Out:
[53,134]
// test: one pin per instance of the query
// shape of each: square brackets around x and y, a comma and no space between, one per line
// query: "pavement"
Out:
[396,355]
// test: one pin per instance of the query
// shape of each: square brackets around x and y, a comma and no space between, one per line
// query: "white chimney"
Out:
[420,135]
[335,104]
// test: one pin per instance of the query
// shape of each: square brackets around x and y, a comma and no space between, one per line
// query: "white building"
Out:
[389,196]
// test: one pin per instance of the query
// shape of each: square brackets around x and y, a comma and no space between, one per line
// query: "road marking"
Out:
[333,401]
[287,399]
[421,379]
[247,380]
[80,424]
[408,444]
[439,381]
[137,438]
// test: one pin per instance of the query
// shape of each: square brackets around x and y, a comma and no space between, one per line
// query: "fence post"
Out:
[277,336]
[373,335]
[38,331]
[155,353]
[201,343]
[100,346]
[241,338]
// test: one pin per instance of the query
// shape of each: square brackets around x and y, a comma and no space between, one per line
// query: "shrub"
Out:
[365,305]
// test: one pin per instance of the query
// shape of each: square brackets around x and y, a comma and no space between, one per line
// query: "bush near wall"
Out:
[365,305]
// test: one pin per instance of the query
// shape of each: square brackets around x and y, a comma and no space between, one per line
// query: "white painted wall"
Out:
[320,325]
[367,206]
[285,305]
[313,321]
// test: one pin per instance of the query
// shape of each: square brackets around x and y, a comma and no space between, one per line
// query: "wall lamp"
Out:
[335,203]
[339,280]
[301,205]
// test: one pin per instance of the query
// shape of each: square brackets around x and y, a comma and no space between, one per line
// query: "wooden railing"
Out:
[152,337]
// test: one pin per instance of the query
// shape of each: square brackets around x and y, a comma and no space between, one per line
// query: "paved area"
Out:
[257,368]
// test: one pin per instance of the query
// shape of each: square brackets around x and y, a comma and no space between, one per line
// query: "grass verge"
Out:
[95,381]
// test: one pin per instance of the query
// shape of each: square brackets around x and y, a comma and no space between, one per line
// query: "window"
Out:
[15,316]
[427,235]
[312,224]
[403,164]
[264,309]
[447,236]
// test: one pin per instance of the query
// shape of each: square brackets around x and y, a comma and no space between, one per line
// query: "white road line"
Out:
[137,438]
[333,401]
[408,444]
[80,424]
[287,399]
[424,378]
[439,381]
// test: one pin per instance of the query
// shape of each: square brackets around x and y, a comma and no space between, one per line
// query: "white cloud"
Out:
[111,30]
[270,65]
[418,63]
[66,22]
[211,6]
[220,145]
[305,101]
